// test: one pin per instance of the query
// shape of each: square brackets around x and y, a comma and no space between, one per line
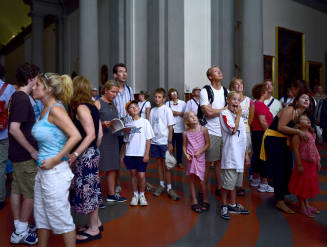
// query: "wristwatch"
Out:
[76,154]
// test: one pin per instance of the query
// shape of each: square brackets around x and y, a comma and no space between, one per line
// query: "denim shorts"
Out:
[158,151]
[135,163]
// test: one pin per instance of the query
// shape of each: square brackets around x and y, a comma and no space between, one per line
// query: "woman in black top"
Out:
[85,196]
[279,156]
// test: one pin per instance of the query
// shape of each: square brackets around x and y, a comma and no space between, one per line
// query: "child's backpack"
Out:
[3,110]
[201,115]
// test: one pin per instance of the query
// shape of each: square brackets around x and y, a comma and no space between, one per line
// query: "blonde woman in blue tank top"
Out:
[56,136]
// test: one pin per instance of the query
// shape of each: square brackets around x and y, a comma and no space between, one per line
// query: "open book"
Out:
[117,125]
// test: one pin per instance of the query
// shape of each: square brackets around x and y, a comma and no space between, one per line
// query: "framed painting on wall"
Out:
[269,68]
[290,63]
[313,73]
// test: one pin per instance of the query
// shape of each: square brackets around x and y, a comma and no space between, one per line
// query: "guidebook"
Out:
[118,125]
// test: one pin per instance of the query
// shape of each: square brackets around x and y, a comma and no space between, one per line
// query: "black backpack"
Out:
[201,115]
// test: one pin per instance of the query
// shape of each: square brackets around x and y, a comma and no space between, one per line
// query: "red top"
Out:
[260,109]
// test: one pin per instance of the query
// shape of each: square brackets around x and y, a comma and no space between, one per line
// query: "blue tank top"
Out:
[49,137]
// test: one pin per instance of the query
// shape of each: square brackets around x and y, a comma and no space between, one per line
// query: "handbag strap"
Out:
[3,88]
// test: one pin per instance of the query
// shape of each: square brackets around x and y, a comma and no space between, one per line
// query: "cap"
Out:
[94,89]
[196,88]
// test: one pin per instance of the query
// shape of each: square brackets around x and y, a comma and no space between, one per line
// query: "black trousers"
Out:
[280,160]
[258,166]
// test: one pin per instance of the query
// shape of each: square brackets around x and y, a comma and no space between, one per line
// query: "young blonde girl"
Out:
[304,180]
[195,143]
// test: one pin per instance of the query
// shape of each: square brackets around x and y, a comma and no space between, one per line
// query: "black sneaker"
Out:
[238,209]
[115,198]
[224,212]
[102,206]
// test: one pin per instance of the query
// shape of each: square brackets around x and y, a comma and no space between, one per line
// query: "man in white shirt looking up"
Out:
[193,104]
[273,104]
[212,112]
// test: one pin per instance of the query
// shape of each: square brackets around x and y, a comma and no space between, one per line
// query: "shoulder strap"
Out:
[270,103]
[3,88]
[225,95]
[130,93]
[210,93]
[143,106]
[195,102]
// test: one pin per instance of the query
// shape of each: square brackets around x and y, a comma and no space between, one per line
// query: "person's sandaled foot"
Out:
[282,206]
[196,208]
[314,210]
[88,237]
[84,228]
[240,192]
[205,206]
[307,213]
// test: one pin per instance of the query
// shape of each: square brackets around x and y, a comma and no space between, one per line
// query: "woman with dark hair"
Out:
[277,145]
[85,195]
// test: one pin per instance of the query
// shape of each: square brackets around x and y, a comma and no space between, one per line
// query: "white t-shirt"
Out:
[191,105]
[160,118]
[179,121]
[213,124]
[136,140]
[234,146]
[146,105]
[245,104]
[275,107]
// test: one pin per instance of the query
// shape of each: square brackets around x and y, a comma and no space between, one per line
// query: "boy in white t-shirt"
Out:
[136,151]
[233,154]
[162,122]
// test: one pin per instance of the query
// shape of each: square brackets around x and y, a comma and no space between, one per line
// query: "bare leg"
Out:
[93,224]
[217,171]
[160,164]
[43,235]
[206,175]
[224,196]
[141,181]
[168,174]
[15,205]
[192,189]
[70,239]
[111,181]
[27,209]
[233,196]
[134,180]
[204,190]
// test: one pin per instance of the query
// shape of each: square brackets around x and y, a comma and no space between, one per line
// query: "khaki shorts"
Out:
[230,179]
[24,178]
[213,153]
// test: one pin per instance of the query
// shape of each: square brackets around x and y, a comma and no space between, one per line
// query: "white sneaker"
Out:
[26,237]
[143,201]
[265,188]
[262,188]
[270,189]
[255,182]
[134,201]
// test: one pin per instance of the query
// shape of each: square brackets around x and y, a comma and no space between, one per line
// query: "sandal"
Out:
[307,213]
[84,228]
[314,210]
[196,208]
[88,238]
[240,192]
[205,206]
